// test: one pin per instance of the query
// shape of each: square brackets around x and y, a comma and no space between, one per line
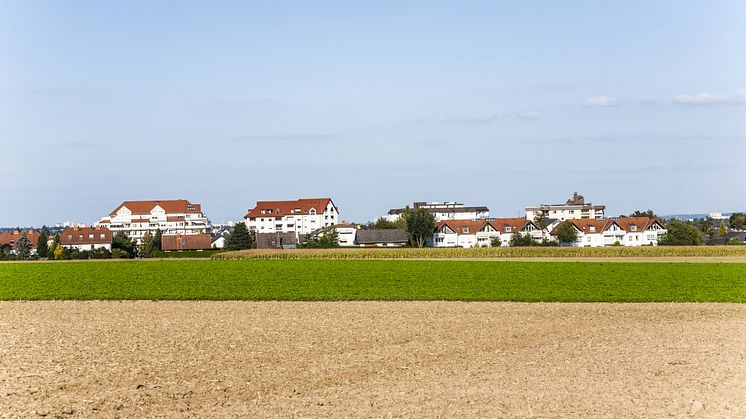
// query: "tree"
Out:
[420,225]
[23,248]
[42,248]
[59,252]
[722,231]
[679,233]
[567,233]
[157,240]
[325,239]
[542,220]
[52,251]
[706,225]
[384,224]
[522,240]
[147,247]
[496,242]
[126,245]
[239,238]
[738,221]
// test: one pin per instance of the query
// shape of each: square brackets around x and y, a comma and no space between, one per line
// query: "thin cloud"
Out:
[738,97]
[600,101]
[282,137]
[485,119]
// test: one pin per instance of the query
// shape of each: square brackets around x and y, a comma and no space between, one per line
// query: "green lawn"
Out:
[373,280]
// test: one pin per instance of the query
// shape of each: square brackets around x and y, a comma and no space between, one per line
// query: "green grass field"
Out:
[373,280]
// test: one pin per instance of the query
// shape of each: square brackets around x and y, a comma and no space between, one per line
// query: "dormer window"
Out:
[465,229]
[593,229]
[633,227]
[507,229]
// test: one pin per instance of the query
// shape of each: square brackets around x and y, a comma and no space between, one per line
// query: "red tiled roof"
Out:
[140,220]
[186,242]
[515,224]
[177,206]
[81,235]
[588,226]
[642,223]
[283,208]
[11,237]
[458,226]
[174,219]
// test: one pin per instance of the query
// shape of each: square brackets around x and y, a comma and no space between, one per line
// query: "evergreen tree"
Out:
[157,240]
[23,248]
[239,238]
[42,249]
[329,239]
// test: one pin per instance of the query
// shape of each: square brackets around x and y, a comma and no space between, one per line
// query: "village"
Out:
[180,225]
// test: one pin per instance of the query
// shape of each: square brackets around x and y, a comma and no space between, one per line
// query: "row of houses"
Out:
[283,224]
[632,231]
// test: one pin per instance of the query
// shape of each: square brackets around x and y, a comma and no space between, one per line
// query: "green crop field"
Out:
[373,280]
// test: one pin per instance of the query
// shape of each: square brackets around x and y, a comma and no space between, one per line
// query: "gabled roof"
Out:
[11,237]
[516,224]
[588,225]
[80,235]
[642,223]
[458,226]
[174,206]
[283,208]
[381,236]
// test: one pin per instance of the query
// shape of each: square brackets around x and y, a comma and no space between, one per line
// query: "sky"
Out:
[633,104]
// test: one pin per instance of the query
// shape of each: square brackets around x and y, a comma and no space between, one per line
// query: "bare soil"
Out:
[420,359]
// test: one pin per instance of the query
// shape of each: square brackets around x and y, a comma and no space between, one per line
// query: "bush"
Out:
[119,254]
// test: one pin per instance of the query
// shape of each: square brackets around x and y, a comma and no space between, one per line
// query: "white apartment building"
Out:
[302,216]
[443,211]
[171,217]
[574,208]
[480,233]
[629,231]
[346,234]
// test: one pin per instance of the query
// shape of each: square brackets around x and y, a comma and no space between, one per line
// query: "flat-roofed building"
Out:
[443,211]
[573,208]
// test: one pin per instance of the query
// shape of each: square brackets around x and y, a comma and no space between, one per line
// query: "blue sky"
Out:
[634,104]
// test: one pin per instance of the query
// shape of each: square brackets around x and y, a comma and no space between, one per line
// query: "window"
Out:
[102,235]
[633,227]
[507,229]
[593,229]
[90,236]
[466,229]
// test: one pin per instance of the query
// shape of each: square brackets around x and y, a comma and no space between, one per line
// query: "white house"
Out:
[627,231]
[302,216]
[481,233]
[346,234]
[86,238]
[574,208]
[444,211]
[171,217]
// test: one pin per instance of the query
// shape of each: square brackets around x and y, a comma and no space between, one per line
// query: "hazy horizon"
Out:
[637,105]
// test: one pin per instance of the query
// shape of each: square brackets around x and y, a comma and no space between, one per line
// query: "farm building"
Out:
[381,238]
[173,242]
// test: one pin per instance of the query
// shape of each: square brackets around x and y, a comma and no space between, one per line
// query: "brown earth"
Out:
[422,359]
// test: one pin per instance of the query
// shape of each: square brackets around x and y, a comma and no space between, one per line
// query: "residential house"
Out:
[626,231]
[346,234]
[382,238]
[301,216]
[481,233]
[86,238]
[171,217]
[507,227]
[573,208]
[175,242]
[10,238]
[443,211]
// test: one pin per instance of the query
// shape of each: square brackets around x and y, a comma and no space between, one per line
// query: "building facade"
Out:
[86,238]
[628,231]
[10,238]
[301,216]
[443,211]
[573,208]
[171,217]
[481,233]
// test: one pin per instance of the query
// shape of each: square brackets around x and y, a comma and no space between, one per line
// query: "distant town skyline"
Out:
[636,105]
